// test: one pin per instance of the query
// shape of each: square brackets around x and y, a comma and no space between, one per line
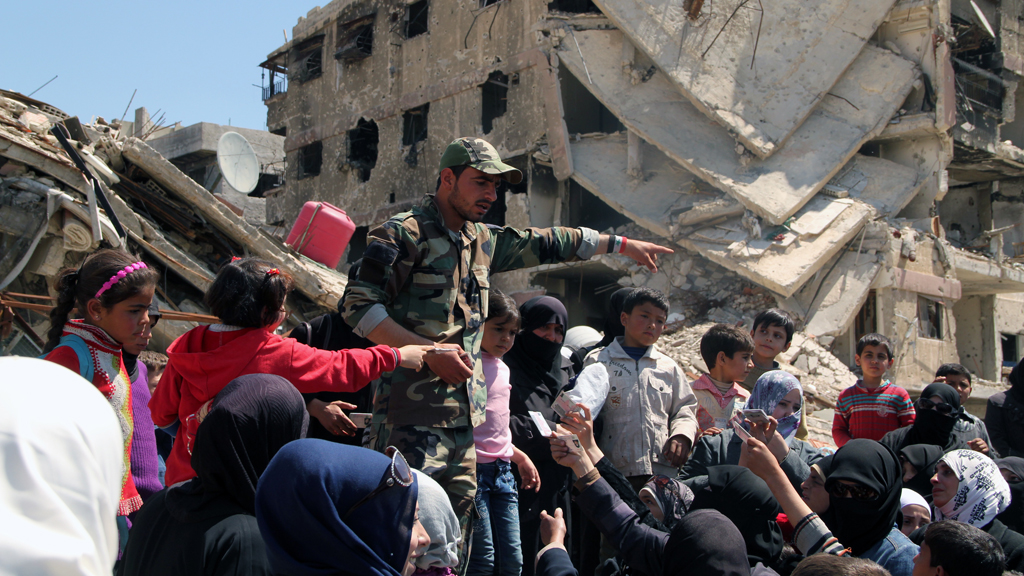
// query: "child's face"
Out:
[154,379]
[874,361]
[769,342]
[499,335]
[643,325]
[125,321]
[735,369]
[141,341]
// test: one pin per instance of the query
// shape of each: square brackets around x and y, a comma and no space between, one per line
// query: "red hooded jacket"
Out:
[201,362]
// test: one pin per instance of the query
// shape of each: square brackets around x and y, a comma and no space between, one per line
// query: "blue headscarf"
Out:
[309,485]
[769,390]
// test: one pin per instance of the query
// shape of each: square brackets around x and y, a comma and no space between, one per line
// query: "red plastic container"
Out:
[321,233]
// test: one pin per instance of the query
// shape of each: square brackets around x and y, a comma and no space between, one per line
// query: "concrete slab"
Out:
[785,271]
[981,275]
[776,187]
[759,72]
[885,185]
[665,189]
[830,304]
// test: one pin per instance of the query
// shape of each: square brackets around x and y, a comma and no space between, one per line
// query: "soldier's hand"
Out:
[450,362]
[645,253]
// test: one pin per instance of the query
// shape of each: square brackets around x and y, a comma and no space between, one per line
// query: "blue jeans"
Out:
[496,532]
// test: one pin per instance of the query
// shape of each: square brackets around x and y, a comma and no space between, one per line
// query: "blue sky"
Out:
[195,61]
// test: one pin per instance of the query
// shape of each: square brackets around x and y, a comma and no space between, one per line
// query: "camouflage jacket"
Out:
[435,283]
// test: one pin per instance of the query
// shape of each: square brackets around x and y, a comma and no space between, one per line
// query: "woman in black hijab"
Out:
[919,462]
[1004,416]
[208,524]
[536,375]
[938,409]
[864,485]
[745,500]
[1012,469]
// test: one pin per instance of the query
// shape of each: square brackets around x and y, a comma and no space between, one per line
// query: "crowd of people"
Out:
[434,426]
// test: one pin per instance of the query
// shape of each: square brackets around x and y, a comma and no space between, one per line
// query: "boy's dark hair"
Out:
[953,369]
[248,293]
[153,360]
[501,305]
[723,338]
[77,286]
[962,549]
[776,317]
[643,295]
[831,565]
[875,339]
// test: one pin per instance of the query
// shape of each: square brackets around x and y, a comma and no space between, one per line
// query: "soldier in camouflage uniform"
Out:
[425,279]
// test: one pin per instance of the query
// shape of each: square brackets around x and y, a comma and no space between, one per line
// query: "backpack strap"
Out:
[75,342]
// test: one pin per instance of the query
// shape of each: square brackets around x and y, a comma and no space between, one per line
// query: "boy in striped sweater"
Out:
[872,406]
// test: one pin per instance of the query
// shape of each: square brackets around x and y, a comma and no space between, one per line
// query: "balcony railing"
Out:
[274,88]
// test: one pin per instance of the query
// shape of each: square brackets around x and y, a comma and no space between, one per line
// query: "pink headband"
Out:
[117,277]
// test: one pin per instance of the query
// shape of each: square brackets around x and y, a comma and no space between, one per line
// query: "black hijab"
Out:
[1016,379]
[746,501]
[931,427]
[860,524]
[533,360]
[705,543]
[1013,516]
[252,418]
[923,457]
[613,321]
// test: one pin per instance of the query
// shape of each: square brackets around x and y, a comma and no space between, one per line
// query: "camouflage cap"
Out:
[479,154]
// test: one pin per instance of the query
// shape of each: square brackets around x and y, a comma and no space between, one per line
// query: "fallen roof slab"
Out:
[775,188]
[830,305]
[666,188]
[785,271]
[758,72]
[981,275]
[885,185]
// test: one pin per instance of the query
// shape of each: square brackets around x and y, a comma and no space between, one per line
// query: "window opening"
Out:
[414,125]
[866,320]
[362,147]
[574,6]
[588,210]
[1010,354]
[929,317]
[309,59]
[310,159]
[584,113]
[494,93]
[416,19]
[355,39]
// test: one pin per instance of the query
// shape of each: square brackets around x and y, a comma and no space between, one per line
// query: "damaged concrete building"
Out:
[856,164]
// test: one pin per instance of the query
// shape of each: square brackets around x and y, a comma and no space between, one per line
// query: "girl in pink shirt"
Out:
[496,540]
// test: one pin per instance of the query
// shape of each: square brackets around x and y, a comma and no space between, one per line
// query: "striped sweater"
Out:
[870,413]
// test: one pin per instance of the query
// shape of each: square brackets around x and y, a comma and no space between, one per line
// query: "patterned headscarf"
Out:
[982,494]
[769,390]
[673,498]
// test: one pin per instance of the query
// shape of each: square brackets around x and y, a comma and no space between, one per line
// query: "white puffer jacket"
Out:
[642,403]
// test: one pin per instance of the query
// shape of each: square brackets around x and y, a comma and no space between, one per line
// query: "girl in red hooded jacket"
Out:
[248,297]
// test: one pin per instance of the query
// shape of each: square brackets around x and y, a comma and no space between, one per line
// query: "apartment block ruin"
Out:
[859,164]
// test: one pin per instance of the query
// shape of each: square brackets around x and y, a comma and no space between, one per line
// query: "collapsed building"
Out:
[856,164]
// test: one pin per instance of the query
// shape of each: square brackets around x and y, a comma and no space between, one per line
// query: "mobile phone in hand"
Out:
[740,431]
[756,416]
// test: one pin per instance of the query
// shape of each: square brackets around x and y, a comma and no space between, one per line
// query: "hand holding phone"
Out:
[755,416]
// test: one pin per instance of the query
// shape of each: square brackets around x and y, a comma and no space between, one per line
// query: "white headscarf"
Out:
[441,524]
[61,448]
[910,498]
[982,494]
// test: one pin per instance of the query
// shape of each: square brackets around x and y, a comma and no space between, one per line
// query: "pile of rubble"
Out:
[68,188]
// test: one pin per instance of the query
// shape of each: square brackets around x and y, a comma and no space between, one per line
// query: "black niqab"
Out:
[923,457]
[252,418]
[1013,516]
[860,524]
[748,502]
[533,360]
[705,543]
[931,427]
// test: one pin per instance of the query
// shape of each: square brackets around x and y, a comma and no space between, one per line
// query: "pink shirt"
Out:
[493,438]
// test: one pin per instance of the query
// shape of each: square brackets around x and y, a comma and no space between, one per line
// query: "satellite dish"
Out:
[238,162]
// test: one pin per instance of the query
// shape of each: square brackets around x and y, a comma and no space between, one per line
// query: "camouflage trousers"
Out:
[447,455]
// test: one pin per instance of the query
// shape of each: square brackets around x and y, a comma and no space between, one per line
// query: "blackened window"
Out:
[416,19]
[414,125]
[309,59]
[355,39]
[495,99]
[310,159]
[929,314]
[362,147]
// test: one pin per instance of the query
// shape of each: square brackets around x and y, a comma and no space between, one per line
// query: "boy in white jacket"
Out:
[641,395]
